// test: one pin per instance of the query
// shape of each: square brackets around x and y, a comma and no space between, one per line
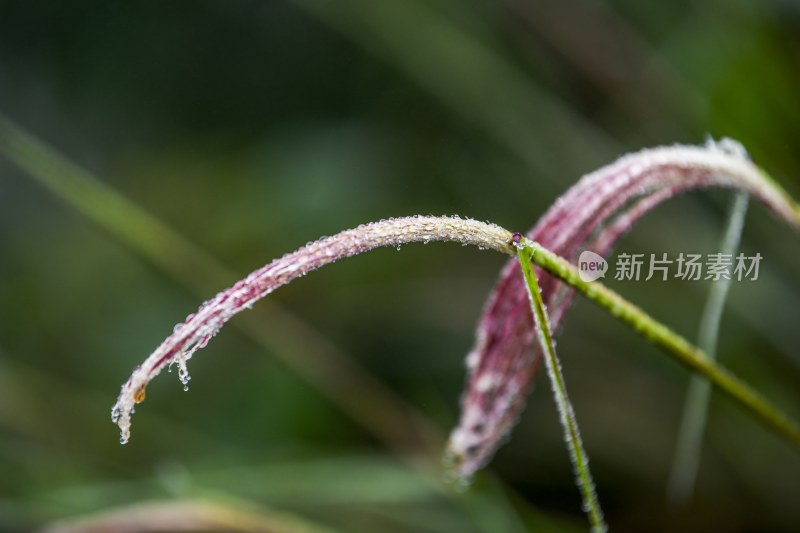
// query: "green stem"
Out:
[695,414]
[671,342]
[580,460]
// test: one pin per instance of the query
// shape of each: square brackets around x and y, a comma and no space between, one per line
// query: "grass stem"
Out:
[695,414]
[578,455]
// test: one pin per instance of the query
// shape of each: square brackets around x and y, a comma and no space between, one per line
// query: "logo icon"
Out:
[591,266]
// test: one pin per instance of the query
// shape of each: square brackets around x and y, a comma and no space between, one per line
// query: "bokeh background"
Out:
[216,135]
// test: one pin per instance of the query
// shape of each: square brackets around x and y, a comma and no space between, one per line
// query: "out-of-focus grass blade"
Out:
[189,516]
[330,489]
[695,414]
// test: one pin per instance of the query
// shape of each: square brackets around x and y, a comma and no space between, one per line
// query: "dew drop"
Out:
[139,395]
[183,371]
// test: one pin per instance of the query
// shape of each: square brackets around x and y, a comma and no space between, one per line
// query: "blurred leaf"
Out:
[199,516]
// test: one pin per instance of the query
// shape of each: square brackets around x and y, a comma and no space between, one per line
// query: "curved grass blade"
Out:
[593,214]
[198,328]
[282,334]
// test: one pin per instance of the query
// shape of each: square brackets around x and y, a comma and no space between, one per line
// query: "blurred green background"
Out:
[249,128]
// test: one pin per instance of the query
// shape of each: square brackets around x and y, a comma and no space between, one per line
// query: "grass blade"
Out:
[695,414]
[577,453]
[308,353]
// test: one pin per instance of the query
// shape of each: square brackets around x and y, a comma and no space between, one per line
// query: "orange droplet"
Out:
[138,396]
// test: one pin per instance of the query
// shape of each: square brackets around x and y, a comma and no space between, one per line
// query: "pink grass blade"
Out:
[593,214]
[198,328]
